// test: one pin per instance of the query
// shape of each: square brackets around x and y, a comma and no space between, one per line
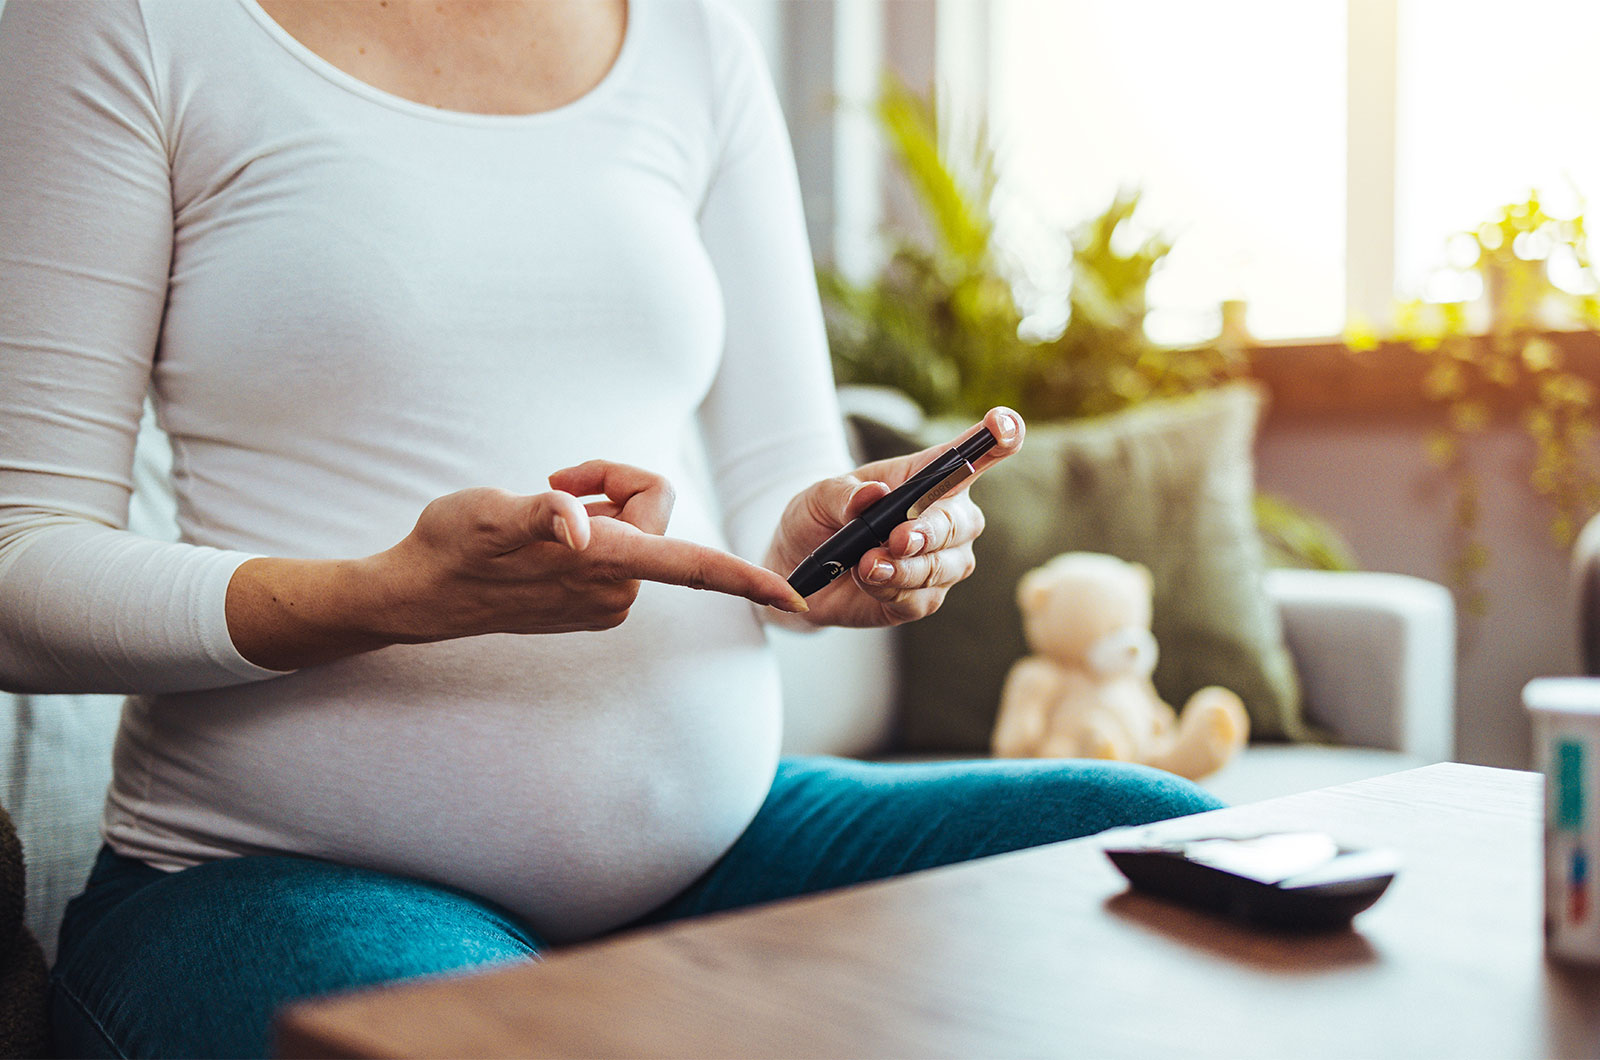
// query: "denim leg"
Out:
[829,822]
[195,963]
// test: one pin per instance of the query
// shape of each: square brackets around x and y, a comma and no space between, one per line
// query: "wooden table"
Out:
[1043,953]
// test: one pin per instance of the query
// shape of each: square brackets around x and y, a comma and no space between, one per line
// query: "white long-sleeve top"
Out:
[344,304]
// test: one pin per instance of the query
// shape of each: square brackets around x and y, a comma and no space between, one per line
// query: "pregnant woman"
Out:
[485,335]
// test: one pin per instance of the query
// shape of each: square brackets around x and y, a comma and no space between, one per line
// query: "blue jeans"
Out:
[195,963]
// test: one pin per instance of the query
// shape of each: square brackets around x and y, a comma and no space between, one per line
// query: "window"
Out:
[1257,129]
[1228,114]
[1495,99]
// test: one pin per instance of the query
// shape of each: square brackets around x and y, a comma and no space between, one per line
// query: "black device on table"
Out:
[1302,880]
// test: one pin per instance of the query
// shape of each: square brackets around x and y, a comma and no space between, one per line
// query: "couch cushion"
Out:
[1267,771]
[53,777]
[1167,484]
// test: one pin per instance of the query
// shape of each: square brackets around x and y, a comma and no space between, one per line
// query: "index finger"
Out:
[673,561]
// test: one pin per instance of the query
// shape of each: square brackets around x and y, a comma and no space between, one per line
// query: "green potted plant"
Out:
[941,321]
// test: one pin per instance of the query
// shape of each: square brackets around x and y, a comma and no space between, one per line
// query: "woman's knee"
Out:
[1114,794]
[1021,803]
[935,813]
[199,962]
[1009,802]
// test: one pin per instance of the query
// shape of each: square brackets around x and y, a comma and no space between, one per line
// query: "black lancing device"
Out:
[910,499]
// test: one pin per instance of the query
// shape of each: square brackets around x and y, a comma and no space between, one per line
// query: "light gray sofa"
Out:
[1376,655]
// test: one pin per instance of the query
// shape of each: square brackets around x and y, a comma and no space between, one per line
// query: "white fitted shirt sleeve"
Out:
[85,240]
[771,419]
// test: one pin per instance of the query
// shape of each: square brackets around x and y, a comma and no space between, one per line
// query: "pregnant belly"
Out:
[579,780]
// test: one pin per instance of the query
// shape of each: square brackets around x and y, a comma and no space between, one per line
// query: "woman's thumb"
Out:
[559,517]
[863,497]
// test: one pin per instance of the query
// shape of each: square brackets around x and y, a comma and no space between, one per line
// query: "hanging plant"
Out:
[941,321]
[1499,354]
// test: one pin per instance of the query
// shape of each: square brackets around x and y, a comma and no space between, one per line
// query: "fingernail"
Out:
[1008,428]
[915,543]
[793,603]
[560,526]
[880,572]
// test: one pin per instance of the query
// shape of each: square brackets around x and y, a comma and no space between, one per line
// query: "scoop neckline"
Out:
[349,82]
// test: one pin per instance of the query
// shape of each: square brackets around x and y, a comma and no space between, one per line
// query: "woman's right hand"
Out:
[489,561]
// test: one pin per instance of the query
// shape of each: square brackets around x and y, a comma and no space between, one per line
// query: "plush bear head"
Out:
[1089,611]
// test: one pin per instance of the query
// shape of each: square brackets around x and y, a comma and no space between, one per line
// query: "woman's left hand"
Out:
[907,577]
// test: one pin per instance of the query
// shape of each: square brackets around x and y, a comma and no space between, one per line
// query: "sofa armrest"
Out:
[1376,654]
[55,764]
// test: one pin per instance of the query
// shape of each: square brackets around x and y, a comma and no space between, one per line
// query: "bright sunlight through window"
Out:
[1231,116]
[1496,99]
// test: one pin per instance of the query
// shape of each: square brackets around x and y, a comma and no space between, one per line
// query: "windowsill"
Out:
[1320,379]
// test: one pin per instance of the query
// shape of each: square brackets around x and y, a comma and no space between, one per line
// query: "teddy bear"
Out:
[1086,692]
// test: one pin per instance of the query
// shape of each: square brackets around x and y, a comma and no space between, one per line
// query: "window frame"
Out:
[829,72]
